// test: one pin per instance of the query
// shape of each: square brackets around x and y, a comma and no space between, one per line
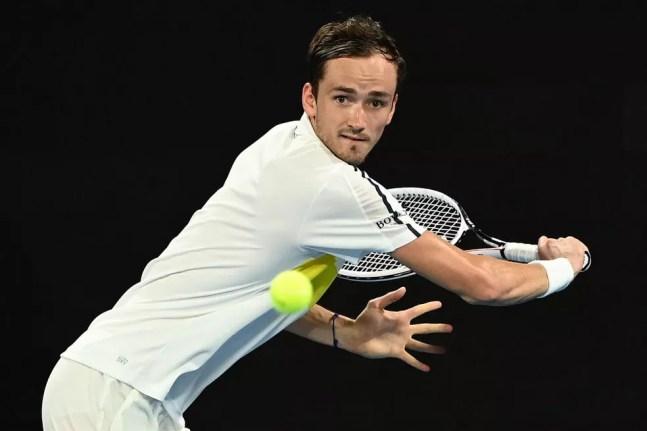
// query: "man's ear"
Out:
[308,100]
[395,101]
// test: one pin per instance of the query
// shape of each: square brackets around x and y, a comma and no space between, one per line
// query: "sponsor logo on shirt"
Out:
[390,219]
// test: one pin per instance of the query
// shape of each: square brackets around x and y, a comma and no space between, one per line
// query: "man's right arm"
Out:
[481,279]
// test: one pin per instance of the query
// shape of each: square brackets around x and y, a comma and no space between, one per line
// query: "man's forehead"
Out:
[361,74]
[351,90]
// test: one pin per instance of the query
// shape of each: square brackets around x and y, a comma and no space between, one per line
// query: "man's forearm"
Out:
[316,325]
[477,279]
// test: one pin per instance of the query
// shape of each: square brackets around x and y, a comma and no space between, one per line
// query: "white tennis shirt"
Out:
[204,302]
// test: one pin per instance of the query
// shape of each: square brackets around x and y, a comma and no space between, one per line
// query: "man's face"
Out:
[356,100]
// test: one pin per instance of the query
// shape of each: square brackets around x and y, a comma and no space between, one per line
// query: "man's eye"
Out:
[378,103]
[341,99]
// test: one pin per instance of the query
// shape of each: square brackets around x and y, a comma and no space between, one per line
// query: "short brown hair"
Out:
[357,36]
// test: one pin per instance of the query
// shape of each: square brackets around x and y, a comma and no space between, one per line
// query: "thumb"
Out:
[391,297]
[541,245]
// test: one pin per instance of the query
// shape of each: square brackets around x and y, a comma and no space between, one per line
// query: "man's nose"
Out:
[357,120]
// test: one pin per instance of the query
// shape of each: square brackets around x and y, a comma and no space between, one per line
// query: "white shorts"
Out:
[81,398]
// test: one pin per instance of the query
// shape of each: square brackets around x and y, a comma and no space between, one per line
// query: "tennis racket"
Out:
[443,216]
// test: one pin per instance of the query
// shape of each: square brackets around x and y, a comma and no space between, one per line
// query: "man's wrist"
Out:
[341,331]
[335,341]
[560,274]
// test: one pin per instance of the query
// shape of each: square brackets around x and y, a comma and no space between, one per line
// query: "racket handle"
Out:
[520,252]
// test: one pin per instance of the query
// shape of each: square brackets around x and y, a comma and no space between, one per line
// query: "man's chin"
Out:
[352,155]
[356,155]
[354,159]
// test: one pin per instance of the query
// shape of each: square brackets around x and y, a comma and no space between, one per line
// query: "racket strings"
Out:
[430,212]
[435,215]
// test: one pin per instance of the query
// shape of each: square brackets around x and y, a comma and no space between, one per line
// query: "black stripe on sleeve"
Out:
[388,205]
[413,231]
[383,196]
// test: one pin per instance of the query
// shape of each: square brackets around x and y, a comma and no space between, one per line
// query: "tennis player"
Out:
[295,194]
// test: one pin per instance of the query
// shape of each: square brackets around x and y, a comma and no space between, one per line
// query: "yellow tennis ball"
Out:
[291,291]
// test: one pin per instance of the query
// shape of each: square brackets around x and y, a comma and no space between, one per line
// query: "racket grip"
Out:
[520,252]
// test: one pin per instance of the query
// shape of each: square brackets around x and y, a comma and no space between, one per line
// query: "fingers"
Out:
[388,299]
[409,359]
[432,328]
[421,309]
[419,346]
[569,247]
[541,246]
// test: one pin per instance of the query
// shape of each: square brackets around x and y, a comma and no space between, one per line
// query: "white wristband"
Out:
[560,274]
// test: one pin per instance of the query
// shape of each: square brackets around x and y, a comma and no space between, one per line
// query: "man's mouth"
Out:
[355,138]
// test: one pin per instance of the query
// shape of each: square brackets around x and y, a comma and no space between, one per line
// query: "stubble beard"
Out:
[352,157]
[355,161]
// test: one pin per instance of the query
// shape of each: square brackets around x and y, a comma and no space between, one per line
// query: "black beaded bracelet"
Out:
[334,337]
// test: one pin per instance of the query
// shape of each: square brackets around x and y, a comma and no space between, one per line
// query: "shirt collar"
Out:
[305,128]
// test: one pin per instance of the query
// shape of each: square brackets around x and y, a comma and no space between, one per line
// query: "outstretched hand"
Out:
[380,333]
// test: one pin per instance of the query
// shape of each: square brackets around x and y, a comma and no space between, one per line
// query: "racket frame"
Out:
[402,271]
[497,246]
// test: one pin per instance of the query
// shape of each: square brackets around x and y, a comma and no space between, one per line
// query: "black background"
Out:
[122,120]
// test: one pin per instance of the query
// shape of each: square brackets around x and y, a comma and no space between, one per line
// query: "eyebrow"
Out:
[349,90]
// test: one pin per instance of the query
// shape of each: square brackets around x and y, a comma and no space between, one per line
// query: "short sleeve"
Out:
[354,215]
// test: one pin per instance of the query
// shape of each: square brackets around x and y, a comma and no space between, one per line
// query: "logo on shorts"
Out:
[122,360]
[390,219]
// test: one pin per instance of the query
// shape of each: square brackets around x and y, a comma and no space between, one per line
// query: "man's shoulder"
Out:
[285,130]
[344,181]
[358,177]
